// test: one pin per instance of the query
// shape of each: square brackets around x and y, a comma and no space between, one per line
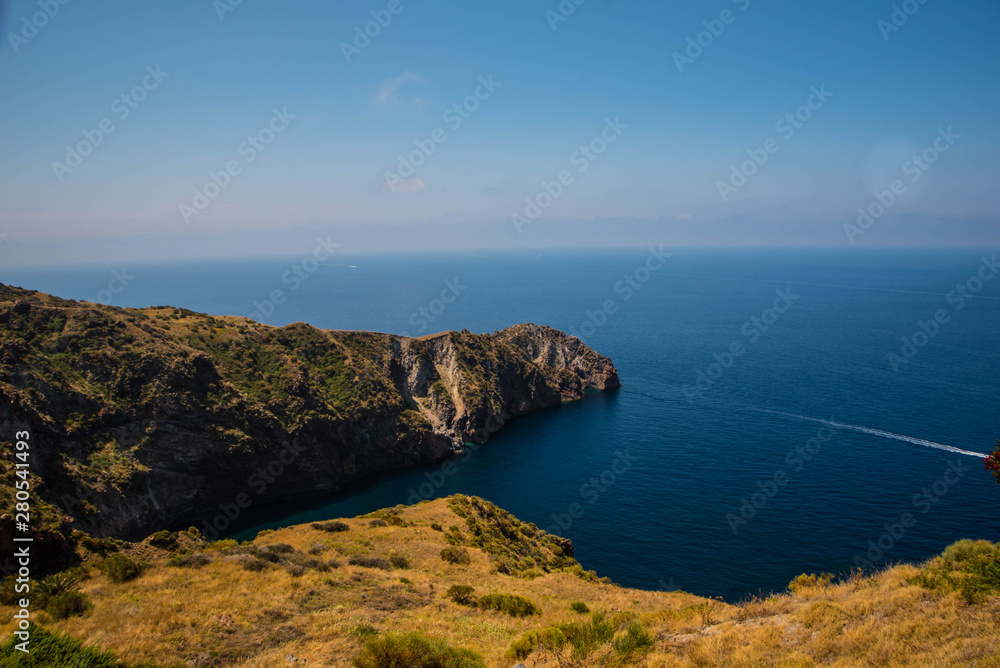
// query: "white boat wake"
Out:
[883,434]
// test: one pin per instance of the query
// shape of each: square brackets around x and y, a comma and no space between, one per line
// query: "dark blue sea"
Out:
[762,429]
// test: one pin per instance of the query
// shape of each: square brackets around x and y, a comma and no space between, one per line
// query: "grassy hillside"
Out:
[463,580]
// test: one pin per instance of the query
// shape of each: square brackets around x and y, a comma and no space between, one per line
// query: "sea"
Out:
[782,411]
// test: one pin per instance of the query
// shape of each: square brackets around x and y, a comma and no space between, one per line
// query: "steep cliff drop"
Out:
[146,418]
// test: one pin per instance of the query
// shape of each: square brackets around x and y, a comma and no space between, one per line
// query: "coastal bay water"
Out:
[781,410]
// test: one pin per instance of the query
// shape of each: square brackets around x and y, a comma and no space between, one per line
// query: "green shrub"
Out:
[414,650]
[332,526]
[399,561]
[388,516]
[369,561]
[582,641]
[99,545]
[378,522]
[121,568]
[971,568]
[253,564]
[582,608]
[456,555]
[810,580]
[54,585]
[365,631]
[510,604]
[190,560]
[635,644]
[222,545]
[437,527]
[551,637]
[462,594]
[67,604]
[164,540]
[586,638]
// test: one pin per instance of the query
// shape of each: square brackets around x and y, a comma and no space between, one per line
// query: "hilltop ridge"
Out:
[466,581]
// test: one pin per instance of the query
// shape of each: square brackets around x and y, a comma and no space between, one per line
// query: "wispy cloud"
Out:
[387,91]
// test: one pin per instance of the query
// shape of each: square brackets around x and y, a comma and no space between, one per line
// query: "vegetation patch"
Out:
[164,540]
[456,555]
[971,568]
[509,604]
[67,604]
[414,650]
[196,560]
[603,641]
[121,568]
[515,547]
[462,594]
[369,561]
[333,526]
[386,515]
[808,580]
[50,649]
[399,561]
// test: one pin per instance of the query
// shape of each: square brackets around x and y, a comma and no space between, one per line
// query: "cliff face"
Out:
[140,419]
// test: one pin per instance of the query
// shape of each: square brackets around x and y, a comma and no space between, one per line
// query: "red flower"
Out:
[992,463]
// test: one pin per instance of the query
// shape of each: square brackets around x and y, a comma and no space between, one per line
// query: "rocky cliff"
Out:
[146,418]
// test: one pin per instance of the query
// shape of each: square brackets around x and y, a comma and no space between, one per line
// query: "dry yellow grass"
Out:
[222,614]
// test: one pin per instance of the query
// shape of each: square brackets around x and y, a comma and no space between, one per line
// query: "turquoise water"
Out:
[684,445]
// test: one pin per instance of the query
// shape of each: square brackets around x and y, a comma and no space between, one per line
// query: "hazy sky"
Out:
[154,98]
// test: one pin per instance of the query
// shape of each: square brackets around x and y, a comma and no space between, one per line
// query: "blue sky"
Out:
[225,72]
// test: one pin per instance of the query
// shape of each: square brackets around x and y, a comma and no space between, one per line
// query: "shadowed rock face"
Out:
[142,419]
